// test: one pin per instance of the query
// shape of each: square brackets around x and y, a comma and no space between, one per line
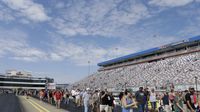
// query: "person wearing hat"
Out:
[86,98]
[95,101]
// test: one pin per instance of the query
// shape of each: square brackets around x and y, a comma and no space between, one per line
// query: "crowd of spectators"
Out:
[180,70]
[153,101]
[143,100]
[86,100]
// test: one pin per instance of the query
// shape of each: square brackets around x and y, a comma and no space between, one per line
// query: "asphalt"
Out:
[71,107]
[13,103]
[9,103]
[34,105]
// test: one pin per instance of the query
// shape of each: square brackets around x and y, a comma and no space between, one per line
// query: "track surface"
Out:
[13,103]
[9,103]
[34,105]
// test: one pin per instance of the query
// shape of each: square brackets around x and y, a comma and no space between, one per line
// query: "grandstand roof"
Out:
[149,51]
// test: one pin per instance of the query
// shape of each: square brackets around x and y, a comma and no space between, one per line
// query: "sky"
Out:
[57,38]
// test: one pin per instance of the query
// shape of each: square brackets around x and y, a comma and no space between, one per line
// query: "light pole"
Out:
[116,49]
[146,83]
[88,68]
[154,81]
[168,86]
[46,84]
[196,82]
[125,85]
[125,78]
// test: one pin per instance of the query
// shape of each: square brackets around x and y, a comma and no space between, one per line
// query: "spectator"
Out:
[153,99]
[184,101]
[58,98]
[178,102]
[66,97]
[147,96]
[195,98]
[110,102]
[41,94]
[50,97]
[140,99]
[78,98]
[103,101]
[128,102]
[198,106]
[73,92]
[86,97]
[190,101]
[95,102]
[171,98]
[165,100]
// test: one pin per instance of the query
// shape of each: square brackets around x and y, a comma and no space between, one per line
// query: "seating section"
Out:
[180,70]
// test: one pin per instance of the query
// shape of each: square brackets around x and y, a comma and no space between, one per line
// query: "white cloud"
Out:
[28,59]
[81,54]
[170,3]
[5,17]
[27,8]
[5,14]
[14,45]
[105,18]
[29,54]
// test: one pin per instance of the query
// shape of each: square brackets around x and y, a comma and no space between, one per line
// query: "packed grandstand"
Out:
[176,64]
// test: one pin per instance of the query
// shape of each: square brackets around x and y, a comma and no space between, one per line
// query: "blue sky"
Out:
[57,38]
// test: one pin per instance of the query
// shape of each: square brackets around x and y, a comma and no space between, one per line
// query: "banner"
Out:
[51,86]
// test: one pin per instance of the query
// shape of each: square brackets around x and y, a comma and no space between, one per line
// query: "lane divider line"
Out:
[39,106]
[34,105]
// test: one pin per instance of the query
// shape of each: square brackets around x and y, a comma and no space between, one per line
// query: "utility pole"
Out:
[116,50]
[196,84]
[88,68]
[146,83]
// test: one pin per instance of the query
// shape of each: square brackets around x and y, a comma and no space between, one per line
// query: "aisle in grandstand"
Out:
[176,64]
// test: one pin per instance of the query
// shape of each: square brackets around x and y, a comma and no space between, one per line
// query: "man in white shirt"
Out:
[152,99]
[78,98]
[73,92]
[86,98]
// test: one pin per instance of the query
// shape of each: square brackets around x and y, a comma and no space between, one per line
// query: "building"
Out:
[18,73]
[182,47]
[23,80]
[62,86]
[11,72]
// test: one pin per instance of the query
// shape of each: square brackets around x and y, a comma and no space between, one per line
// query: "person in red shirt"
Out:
[58,97]
[195,98]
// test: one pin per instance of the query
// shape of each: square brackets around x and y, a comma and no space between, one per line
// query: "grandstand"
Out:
[176,63]
[14,79]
